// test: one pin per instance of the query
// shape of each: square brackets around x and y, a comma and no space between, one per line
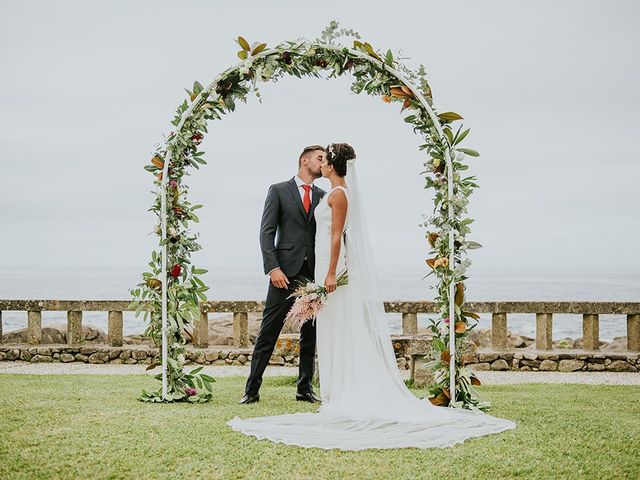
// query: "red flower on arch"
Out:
[176,270]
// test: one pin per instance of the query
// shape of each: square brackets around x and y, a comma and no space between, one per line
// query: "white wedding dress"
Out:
[365,403]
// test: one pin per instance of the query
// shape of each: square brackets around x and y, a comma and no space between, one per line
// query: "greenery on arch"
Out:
[374,72]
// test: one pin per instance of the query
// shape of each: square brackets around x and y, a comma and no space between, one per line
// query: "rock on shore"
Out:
[56,334]
[220,333]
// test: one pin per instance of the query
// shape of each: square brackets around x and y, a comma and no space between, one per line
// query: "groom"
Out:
[287,240]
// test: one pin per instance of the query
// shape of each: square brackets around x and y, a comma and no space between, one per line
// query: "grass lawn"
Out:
[81,426]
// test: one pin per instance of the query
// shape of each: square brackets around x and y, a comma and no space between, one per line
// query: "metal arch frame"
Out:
[448,157]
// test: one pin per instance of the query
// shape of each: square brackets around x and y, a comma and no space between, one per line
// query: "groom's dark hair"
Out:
[308,150]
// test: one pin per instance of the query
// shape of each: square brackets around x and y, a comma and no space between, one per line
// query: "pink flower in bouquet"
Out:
[309,298]
[446,320]
[190,391]
[304,308]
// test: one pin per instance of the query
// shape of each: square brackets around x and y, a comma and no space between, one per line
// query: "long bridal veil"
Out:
[369,405]
[365,283]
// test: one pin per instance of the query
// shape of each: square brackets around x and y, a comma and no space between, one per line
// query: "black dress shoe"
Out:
[307,397]
[249,399]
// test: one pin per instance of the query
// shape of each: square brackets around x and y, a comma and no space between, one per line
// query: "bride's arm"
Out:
[338,203]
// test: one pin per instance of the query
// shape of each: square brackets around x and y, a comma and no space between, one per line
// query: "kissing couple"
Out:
[309,234]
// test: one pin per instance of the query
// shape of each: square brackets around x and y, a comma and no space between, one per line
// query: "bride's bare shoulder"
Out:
[337,198]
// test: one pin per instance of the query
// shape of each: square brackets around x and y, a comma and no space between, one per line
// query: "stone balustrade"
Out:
[543,311]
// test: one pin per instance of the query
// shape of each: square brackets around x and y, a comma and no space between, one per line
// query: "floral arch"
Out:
[170,292]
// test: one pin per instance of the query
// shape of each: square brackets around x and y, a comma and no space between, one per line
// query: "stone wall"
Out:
[562,361]
[220,356]
[286,354]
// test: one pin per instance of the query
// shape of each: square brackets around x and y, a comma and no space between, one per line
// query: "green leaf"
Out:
[462,136]
[259,48]
[473,245]
[449,135]
[449,116]
[389,58]
[244,44]
[195,370]
[439,345]
[468,151]
[173,363]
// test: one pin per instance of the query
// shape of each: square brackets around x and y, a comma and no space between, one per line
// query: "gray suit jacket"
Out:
[287,233]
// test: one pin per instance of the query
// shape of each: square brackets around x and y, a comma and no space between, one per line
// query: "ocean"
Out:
[234,282]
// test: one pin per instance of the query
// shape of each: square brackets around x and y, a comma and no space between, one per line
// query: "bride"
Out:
[365,403]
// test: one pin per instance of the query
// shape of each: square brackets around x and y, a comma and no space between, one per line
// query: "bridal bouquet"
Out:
[310,298]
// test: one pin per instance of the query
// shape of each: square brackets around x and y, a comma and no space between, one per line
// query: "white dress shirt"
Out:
[300,183]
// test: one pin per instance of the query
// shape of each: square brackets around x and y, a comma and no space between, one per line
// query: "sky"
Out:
[548,88]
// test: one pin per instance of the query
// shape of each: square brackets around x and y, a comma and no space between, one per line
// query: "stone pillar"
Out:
[590,331]
[115,329]
[633,332]
[544,330]
[240,329]
[421,376]
[34,327]
[409,323]
[499,333]
[74,327]
[201,331]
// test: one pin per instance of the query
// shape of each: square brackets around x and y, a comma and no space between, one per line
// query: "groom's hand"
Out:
[279,279]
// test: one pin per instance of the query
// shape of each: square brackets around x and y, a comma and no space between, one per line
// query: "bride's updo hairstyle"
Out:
[338,154]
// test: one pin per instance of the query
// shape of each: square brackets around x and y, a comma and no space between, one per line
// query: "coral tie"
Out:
[306,201]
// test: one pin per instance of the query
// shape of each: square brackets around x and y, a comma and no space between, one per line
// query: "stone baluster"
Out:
[115,329]
[240,329]
[590,331]
[34,327]
[74,327]
[633,332]
[201,331]
[499,333]
[409,323]
[544,331]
